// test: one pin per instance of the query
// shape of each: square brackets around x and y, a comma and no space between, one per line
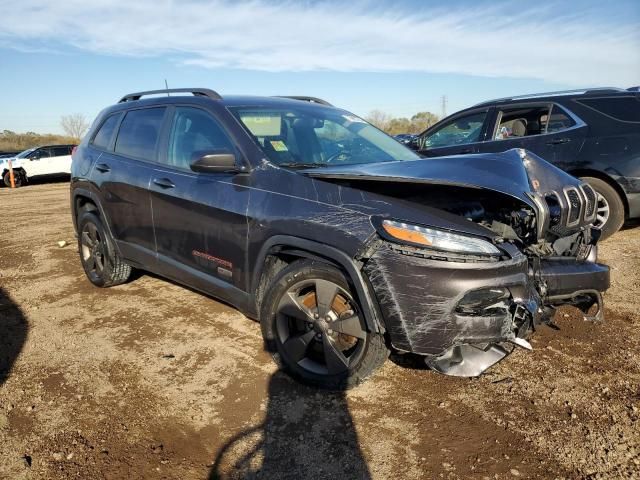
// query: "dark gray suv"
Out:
[592,134]
[342,242]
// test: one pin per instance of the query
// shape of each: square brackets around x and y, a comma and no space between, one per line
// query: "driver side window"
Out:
[40,153]
[460,131]
[194,133]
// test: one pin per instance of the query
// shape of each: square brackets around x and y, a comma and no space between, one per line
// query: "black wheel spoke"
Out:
[99,260]
[291,307]
[296,347]
[350,326]
[334,358]
[325,294]
[86,239]
[93,232]
[91,262]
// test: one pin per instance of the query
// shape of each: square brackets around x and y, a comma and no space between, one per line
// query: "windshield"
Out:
[25,153]
[301,136]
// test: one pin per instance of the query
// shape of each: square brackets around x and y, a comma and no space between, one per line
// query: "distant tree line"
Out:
[74,127]
[395,125]
[17,142]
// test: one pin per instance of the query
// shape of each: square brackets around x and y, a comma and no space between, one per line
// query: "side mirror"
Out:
[414,143]
[221,161]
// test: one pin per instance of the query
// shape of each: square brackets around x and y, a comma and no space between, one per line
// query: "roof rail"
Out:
[198,92]
[305,98]
[558,93]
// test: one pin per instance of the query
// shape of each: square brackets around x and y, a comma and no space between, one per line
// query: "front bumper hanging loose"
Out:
[466,316]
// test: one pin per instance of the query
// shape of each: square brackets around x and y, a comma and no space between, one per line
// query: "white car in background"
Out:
[37,162]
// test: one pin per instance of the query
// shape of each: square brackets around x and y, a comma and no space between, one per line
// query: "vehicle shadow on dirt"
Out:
[13,334]
[306,433]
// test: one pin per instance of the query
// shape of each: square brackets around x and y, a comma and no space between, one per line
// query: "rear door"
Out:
[61,159]
[199,218]
[122,171]
[545,129]
[460,134]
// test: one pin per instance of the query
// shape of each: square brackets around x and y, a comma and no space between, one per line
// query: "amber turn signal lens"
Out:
[406,235]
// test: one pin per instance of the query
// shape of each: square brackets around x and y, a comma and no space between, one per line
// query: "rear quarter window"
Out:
[624,109]
[139,133]
[102,138]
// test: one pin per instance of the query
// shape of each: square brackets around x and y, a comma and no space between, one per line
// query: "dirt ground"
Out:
[152,380]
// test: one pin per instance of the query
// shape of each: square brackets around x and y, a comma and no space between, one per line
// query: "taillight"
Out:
[73,150]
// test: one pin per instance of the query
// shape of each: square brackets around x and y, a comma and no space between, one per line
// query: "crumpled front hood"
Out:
[516,172]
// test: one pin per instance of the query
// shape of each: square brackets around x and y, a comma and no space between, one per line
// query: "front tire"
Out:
[609,208]
[314,328]
[17,178]
[101,263]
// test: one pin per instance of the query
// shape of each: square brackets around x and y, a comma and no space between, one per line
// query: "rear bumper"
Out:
[430,305]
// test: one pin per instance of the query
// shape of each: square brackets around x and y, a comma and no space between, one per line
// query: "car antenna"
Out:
[166,86]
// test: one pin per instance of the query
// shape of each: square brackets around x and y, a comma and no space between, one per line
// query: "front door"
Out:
[199,218]
[39,162]
[460,135]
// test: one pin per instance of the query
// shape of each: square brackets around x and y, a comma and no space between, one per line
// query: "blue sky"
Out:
[400,57]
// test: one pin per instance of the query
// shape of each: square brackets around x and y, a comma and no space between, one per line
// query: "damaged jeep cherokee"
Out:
[342,242]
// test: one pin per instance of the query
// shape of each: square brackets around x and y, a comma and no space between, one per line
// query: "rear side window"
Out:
[625,109]
[521,121]
[60,151]
[139,133]
[102,139]
[193,134]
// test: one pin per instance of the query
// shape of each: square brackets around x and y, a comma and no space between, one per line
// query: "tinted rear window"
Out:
[102,139]
[61,151]
[139,132]
[626,109]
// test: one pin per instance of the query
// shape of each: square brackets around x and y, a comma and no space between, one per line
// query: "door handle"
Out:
[103,167]
[164,182]
[559,141]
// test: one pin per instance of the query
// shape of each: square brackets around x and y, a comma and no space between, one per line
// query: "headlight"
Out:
[438,239]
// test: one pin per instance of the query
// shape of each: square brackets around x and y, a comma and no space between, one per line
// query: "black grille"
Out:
[574,206]
[591,200]
[555,211]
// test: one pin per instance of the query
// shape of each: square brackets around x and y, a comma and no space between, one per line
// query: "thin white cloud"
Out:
[575,49]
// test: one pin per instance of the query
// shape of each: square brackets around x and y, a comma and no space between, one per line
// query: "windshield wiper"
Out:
[301,165]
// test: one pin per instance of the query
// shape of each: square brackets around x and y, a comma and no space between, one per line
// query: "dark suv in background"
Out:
[592,134]
[340,240]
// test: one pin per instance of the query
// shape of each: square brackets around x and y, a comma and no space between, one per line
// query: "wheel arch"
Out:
[17,170]
[82,198]
[586,172]
[280,250]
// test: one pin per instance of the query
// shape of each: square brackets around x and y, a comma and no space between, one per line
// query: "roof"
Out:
[232,100]
[560,93]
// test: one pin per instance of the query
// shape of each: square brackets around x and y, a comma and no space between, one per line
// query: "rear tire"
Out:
[314,328]
[610,209]
[101,263]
